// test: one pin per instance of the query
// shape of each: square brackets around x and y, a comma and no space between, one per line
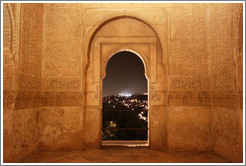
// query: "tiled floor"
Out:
[124,155]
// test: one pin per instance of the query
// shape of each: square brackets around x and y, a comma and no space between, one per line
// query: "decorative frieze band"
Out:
[189,98]
[229,99]
[8,99]
[31,100]
[61,99]
[225,99]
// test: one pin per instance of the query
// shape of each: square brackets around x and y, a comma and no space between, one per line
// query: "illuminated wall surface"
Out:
[54,62]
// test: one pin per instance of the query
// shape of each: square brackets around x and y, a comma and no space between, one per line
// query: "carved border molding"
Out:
[100,58]
[61,99]
[35,99]
[189,98]
[225,99]
[233,99]
[9,99]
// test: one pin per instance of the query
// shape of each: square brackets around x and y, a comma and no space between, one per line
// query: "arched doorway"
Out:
[125,101]
[114,35]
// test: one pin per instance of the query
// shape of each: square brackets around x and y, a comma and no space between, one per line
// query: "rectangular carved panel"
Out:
[62,42]
[189,55]
[61,99]
[220,45]
[64,84]
[189,98]
[188,83]
[31,38]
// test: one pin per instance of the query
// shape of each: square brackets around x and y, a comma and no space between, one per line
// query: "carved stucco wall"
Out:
[201,93]
[28,82]
[226,54]
[67,31]
[22,72]
[186,39]
[61,112]
[189,100]
[8,82]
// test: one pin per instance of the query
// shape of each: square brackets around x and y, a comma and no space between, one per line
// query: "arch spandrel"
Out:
[128,26]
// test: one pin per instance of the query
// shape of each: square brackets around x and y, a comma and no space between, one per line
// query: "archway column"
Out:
[157,119]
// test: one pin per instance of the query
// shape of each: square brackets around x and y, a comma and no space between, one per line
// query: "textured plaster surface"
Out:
[228,133]
[189,129]
[60,128]
[25,133]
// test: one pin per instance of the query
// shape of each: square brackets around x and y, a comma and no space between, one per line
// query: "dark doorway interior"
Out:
[125,99]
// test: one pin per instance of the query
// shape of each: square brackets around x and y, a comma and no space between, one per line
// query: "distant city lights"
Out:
[125,94]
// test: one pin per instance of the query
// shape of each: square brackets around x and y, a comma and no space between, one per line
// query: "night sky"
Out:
[125,73]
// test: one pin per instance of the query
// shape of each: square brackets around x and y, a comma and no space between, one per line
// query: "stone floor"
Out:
[124,155]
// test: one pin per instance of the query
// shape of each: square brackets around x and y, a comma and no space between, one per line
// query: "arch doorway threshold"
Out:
[132,143]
